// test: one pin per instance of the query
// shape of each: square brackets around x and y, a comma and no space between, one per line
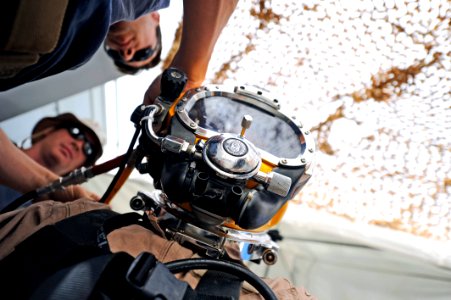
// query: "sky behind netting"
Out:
[372,80]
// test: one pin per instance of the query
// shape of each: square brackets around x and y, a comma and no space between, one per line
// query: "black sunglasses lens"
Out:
[142,54]
[139,55]
[87,149]
[76,133]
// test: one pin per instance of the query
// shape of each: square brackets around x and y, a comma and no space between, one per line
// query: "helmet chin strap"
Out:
[36,137]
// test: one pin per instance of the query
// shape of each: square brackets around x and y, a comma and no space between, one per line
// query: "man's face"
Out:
[62,152]
[133,41]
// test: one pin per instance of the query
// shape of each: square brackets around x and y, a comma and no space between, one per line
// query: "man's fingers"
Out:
[152,92]
[71,193]
[94,197]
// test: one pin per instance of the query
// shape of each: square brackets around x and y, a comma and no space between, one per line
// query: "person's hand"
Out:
[70,193]
[154,89]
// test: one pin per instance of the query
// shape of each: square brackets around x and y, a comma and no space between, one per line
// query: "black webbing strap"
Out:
[78,282]
[123,220]
[151,279]
[219,285]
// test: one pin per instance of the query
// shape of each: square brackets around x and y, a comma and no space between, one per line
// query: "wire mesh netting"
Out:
[372,80]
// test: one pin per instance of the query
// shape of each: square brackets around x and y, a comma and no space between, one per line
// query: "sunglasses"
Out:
[76,133]
[139,55]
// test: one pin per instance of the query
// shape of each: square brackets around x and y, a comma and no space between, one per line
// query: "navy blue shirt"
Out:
[7,195]
[84,29]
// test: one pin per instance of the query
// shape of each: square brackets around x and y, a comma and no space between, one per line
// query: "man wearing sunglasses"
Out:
[59,145]
[41,38]
[135,45]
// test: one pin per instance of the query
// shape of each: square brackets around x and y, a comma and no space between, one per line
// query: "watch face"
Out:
[267,132]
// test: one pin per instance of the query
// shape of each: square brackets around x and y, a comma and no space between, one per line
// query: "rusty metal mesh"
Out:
[373,80]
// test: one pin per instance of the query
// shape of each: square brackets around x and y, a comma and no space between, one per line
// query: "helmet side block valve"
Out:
[174,144]
[274,182]
[270,257]
[142,201]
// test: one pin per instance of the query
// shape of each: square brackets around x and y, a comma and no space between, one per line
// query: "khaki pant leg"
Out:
[33,30]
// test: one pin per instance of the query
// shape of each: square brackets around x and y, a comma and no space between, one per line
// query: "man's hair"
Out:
[127,69]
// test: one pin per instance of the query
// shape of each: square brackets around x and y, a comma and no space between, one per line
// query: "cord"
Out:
[116,178]
[184,265]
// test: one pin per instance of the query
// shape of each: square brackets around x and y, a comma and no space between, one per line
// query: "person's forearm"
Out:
[18,171]
[203,21]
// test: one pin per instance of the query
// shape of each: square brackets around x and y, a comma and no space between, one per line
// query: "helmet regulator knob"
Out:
[172,83]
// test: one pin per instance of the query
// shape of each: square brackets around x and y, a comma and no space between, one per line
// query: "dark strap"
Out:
[123,220]
[151,279]
[219,285]
[78,281]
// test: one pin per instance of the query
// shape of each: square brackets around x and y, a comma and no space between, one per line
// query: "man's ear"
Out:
[42,134]
[155,16]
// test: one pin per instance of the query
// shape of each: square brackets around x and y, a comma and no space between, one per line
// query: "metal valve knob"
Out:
[274,182]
